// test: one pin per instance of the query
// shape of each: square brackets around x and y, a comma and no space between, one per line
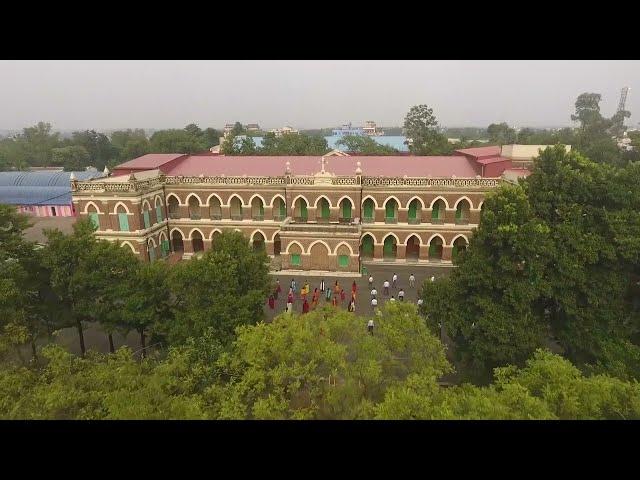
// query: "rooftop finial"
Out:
[132,177]
[287,167]
[72,176]
[358,167]
[106,170]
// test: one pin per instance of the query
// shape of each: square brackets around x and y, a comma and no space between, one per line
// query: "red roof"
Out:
[390,166]
[150,161]
[479,152]
[487,161]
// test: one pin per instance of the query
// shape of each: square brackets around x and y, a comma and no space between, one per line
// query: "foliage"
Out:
[365,146]
[71,158]
[421,127]
[501,134]
[223,289]
[324,365]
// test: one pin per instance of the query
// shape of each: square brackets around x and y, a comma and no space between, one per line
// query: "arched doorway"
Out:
[415,212]
[258,241]
[346,211]
[279,210]
[194,208]
[413,248]
[390,249]
[319,257]
[435,249]
[437,212]
[257,209]
[391,211]
[368,211]
[215,209]
[300,213]
[277,245]
[366,247]
[214,238]
[235,208]
[196,242]
[177,241]
[151,250]
[174,207]
[323,211]
[462,212]
[459,247]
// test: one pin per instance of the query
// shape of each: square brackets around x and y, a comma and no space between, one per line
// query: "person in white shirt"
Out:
[412,281]
[420,302]
[370,280]
[395,280]
[370,325]
[433,279]
[401,295]
[374,292]
[374,303]
[386,288]
[392,299]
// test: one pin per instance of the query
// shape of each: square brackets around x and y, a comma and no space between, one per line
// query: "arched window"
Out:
[196,242]
[123,218]
[277,245]
[415,212]
[215,209]
[459,247]
[174,207]
[343,254]
[151,250]
[177,241]
[257,209]
[295,255]
[236,208]
[194,208]
[390,249]
[214,238]
[159,214]
[146,215]
[92,213]
[165,249]
[391,211]
[366,248]
[323,212]
[300,213]
[279,210]
[413,248]
[437,213]
[346,213]
[462,212]
[258,241]
[368,211]
[435,249]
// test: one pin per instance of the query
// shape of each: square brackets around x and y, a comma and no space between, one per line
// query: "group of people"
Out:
[335,295]
[393,285]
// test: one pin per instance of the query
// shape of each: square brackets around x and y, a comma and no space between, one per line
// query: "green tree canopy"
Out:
[421,127]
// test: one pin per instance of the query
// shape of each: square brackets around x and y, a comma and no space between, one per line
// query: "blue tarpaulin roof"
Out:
[40,188]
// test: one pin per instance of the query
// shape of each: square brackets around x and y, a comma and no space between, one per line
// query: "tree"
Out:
[72,158]
[293,144]
[365,146]
[501,134]
[238,129]
[37,143]
[130,144]
[176,141]
[421,127]
[324,365]
[97,145]
[225,288]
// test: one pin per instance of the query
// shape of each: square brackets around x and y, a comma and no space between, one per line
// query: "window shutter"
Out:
[123,219]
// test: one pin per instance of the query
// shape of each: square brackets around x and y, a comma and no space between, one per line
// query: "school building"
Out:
[308,212]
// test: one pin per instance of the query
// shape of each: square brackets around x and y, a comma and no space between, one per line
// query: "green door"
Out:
[368,208]
[389,243]
[346,209]
[390,211]
[413,209]
[459,213]
[261,210]
[325,209]
[159,213]
[435,213]
[367,246]
[123,220]
[152,253]
[303,209]
[283,209]
[94,220]
[147,219]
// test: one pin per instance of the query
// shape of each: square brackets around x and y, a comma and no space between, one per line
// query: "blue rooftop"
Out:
[40,188]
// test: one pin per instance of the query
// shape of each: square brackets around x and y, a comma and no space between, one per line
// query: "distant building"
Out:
[284,131]
[253,127]
[42,193]
[371,129]
[227,129]
[522,155]
[346,130]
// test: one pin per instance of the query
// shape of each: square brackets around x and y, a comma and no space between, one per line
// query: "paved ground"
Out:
[380,273]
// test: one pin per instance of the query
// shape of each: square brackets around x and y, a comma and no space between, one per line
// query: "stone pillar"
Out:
[305,260]
[424,252]
[188,245]
[377,251]
[379,214]
[311,212]
[183,211]
[334,214]
[450,215]
[403,215]
[446,253]
[425,215]
[474,217]
[113,222]
[207,244]
[134,222]
[401,252]
[226,212]
[268,244]
[204,211]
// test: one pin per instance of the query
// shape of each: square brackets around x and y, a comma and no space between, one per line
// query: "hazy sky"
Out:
[305,94]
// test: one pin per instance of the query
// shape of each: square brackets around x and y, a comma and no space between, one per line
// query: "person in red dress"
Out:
[342,295]
[290,297]
[272,302]
[315,298]
[354,287]
[305,306]
[278,289]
